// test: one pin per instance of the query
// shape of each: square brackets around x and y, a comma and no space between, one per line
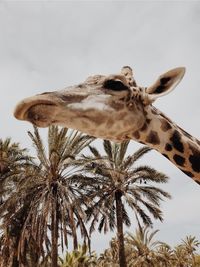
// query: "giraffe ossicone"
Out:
[114,107]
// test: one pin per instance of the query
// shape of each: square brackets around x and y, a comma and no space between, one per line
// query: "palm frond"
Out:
[122,151]
[136,156]
[95,152]
[108,149]
[38,144]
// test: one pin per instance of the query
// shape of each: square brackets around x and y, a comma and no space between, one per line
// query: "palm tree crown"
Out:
[50,197]
[118,184]
[115,173]
[13,160]
[13,164]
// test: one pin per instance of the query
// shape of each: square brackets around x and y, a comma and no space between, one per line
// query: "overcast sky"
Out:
[48,45]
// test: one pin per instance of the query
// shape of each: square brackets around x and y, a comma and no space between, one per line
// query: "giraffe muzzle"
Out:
[38,110]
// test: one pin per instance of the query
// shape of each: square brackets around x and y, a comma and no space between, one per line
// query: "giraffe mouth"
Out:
[41,113]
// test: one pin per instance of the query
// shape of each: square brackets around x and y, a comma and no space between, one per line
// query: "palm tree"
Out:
[191,245]
[13,163]
[145,249]
[12,160]
[117,184]
[197,260]
[165,255]
[110,256]
[54,201]
[141,250]
[79,258]
[184,254]
[180,257]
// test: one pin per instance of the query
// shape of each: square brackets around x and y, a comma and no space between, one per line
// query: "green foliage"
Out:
[142,250]
[79,258]
[13,162]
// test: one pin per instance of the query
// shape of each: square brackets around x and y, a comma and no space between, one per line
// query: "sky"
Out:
[48,45]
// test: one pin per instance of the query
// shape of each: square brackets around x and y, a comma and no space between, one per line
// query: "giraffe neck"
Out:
[182,149]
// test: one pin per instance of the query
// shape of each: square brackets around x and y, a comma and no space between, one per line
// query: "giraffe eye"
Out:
[115,85]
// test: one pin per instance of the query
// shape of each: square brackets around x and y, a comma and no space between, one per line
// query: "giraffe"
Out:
[114,107]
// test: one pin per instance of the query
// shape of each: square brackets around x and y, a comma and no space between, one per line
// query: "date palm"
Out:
[13,163]
[12,160]
[145,248]
[184,254]
[51,196]
[141,249]
[118,184]
[197,261]
[191,244]
[165,256]
[79,258]
[180,257]
[110,256]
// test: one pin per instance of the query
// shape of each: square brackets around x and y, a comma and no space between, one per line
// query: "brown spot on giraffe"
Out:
[144,127]
[153,138]
[168,147]
[176,141]
[194,159]
[136,134]
[179,160]
[148,121]
[165,125]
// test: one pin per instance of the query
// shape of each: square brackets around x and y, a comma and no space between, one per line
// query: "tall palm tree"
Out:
[13,163]
[53,198]
[12,160]
[117,183]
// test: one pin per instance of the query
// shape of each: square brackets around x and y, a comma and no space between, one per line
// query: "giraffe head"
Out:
[108,107]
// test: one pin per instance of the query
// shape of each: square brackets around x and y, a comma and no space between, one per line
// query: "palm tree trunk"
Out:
[54,235]
[120,233]
[15,262]
[73,227]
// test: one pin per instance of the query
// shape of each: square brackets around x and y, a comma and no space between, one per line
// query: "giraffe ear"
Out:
[165,83]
